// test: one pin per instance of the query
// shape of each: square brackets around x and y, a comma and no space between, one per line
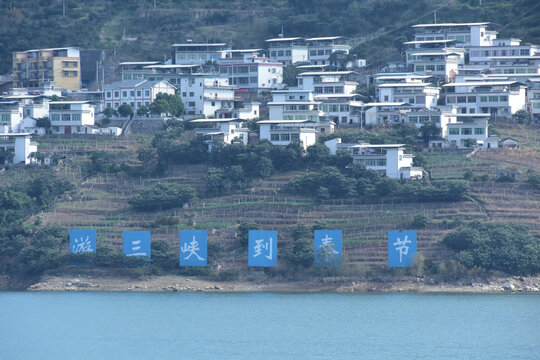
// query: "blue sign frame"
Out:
[137,243]
[262,248]
[193,248]
[401,248]
[82,241]
[327,247]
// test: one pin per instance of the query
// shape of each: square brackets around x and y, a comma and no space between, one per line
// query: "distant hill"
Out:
[378,26]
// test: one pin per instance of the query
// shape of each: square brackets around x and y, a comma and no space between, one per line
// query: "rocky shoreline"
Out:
[190,284]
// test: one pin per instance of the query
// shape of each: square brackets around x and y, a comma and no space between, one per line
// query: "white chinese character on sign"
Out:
[192,248]
[135,246]
[82,245]
[402,247]
[327,247]
[261,245]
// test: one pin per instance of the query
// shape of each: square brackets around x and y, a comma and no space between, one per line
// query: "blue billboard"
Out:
[137,243]
[327,248]
[401,248]
[82,240]
[262,248]
[193,248]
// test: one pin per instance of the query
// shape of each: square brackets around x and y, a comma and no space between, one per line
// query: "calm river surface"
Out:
[268,326]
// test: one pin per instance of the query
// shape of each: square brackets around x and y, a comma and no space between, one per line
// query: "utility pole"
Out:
[155,4]
[64,8]
[435,15]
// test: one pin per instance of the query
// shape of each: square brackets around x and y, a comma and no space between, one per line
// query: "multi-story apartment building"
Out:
[71,117]
[498,98]
[465,34]
[222,130]
[471,130]
[204,94]
[294,105]
[192,53]
[153,70]
[388,160]
[284,132]
[253,74]
[136,93]
[417,94]
[11,116]
[339,108]
[20,145]
[534,99]
[288,50]
[34,68]
[328,82]
[320,48]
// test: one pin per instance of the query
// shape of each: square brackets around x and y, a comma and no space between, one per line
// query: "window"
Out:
[124,93]
[338,89]
[191,94]
[453,131]
[274,137]
[423,118]
[139,93]
[451,100]
[54,117]
[503,98]
[419,67]
[76,117]
[116,94]
[440,67]
[461,99]
[524,52]
[493,98]
[108,94]
[483,98]
[435,118]
[139,104]
[116,105]
[471,99]
[191,103]
[466,131]
[213,103]
[430,67]
[66,117]
[479,131]
[285,137]
[312,52]
[184,94]
[287,52]
[132,93]
[413,119]
[295,137]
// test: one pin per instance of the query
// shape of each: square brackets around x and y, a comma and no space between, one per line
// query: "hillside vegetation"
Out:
[378,26]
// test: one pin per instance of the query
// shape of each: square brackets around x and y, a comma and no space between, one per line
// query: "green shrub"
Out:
[163,196]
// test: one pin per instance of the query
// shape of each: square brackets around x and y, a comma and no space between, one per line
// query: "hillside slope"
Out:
[382,24]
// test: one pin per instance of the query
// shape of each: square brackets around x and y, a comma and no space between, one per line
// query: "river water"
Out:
[268,326]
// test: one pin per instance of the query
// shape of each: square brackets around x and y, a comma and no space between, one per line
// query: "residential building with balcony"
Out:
[534,99]
[328,82]
[153,71]
[135,93]
[71,117]
[193,53]
[284,132]
[337,108]
[471,130]
[20,145]
[11,116]
[204,94]
[498,98]
[465,34]
[294,104]
[253,75]
[320,48]
[423,95]
[222,130]
[34,68]
[288,50]
[388,160]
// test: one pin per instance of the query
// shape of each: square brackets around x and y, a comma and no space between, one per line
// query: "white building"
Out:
[498,98]
[284,132]
[288,50]
[337,108]
[71,117]
[244,111]
[294,104]
[534,99]
[380,113]
[471,130]
[255,75]
[20,144]
[424,95]
[465,34]
[222,130]
[11,116]
[204,94]
[135,93]
[320,48]
[440,116]
[328,82]
[388,160]
[192,53]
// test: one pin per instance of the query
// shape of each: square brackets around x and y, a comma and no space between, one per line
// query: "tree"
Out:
[521,117]
[429,131]
[290,72]
[167,104]
[109,112]
[340,59]
[317,155]
[142,111]
[242,232]
[163,196]
[43,122]
[125,110]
